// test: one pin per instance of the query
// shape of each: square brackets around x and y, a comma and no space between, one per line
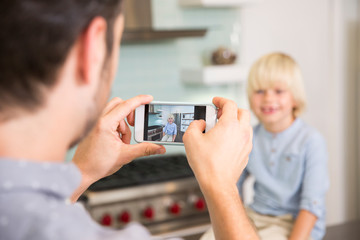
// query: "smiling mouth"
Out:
[269,110]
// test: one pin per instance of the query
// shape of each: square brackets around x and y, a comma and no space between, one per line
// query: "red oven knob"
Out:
[124,217]
[149,213]
[200,204]
[106,220]
[175,209]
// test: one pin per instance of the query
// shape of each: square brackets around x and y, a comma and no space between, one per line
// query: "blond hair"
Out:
[171,116]
[278,68]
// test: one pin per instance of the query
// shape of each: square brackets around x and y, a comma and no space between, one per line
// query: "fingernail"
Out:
[160,151]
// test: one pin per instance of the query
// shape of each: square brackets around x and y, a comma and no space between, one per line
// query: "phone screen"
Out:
[168,123]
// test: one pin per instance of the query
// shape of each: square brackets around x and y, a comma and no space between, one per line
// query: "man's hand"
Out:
[107,148]
[222,153]
[218,158]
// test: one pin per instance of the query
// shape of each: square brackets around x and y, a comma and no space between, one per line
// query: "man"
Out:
[57,64]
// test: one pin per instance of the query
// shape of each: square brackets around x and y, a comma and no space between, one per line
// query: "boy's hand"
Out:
[107,148]
[220,155]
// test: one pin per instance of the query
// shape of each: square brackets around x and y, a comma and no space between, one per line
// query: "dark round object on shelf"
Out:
[222,56]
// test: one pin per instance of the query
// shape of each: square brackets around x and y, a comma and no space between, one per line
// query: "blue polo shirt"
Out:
[170,129]
[291,173]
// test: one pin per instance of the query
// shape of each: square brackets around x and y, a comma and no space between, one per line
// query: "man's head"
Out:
[45,43]
[36,37]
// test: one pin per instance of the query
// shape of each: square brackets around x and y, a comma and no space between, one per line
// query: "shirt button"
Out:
[314,202]
[288,159]
[272,164]
[273,150]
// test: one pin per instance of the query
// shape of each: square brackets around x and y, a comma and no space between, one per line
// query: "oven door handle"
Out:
[182,233]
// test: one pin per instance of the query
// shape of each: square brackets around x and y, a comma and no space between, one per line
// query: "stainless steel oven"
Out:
[154,133]
[159,192]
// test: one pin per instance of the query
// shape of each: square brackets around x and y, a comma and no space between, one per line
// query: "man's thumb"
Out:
[195,130]
[145,149]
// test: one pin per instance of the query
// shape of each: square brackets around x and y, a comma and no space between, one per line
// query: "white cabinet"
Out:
[215,75]
[186,119]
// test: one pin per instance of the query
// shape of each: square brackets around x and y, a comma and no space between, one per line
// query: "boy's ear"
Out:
[295,106]
[92,50]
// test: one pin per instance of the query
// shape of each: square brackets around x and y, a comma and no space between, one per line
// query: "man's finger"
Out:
[143,149]
[125,133]
[122,127]
[123,109]
[131,118]
[244,116]
[110,105]
[195,130]
[219,113]
[228,108]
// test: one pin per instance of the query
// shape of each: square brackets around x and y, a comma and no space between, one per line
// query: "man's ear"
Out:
[92,50]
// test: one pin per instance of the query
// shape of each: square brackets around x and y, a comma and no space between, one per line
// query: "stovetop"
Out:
[148,171]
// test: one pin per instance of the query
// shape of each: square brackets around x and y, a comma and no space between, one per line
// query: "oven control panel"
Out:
[154,209]
[160,193]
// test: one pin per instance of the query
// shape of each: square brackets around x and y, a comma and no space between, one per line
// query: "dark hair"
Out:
[35,39]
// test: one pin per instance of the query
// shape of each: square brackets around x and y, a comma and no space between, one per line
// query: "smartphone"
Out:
[166,122]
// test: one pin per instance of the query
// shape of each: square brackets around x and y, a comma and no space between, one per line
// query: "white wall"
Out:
[317,34]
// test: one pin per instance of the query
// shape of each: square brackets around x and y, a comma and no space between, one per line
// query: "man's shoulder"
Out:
[40,217]
[31,216]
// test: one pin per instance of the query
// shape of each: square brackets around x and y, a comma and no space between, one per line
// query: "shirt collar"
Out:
[60,179]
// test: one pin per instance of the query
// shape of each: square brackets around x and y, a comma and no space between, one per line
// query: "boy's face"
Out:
[273,105]
[170,120]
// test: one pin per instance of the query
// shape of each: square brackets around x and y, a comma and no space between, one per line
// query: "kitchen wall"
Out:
[167,110]
[322,36]
[154,119]
[154,67]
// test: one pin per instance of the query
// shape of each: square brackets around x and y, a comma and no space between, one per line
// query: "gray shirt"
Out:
[35,205]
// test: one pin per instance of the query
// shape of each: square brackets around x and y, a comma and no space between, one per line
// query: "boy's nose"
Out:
[268,95]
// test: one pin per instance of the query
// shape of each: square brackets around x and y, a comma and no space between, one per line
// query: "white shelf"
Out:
[215,75]
[214,3]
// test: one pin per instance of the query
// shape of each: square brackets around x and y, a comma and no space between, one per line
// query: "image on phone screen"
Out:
[168,123]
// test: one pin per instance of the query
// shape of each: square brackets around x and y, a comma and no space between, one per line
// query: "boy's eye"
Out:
[279,91]
[259,91]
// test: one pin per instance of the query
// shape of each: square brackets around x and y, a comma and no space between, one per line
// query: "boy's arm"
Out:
[314,186]
[164,129]
[303,225]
